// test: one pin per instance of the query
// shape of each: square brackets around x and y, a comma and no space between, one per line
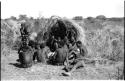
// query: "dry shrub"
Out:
[7,38]
[101,17]
[17,44]
[8,34]
[119,73]
[5,50]
[107,43]
[93,24]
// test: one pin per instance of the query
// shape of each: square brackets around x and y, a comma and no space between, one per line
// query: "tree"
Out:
[13,18]
[91,19]
[31,18]
[101,17]
[23,17]
[78,18]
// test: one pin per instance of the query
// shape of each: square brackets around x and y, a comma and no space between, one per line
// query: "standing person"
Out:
[77,60]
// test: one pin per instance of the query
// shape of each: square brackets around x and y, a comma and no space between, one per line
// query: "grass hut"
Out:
[60,28]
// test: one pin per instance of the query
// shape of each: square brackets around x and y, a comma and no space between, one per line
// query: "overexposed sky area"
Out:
[63,8]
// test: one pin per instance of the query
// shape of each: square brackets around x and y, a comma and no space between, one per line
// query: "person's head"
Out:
[42,45]
[79,44]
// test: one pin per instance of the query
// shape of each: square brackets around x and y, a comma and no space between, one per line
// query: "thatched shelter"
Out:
[61,28]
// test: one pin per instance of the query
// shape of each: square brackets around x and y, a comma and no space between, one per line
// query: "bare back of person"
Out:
[61,54]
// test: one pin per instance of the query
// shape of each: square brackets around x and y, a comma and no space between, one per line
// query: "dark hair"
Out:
[42,45]
[79,43]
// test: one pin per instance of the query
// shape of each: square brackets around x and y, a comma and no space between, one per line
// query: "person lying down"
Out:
[75,59]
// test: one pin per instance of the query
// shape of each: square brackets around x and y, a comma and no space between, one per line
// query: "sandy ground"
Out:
[10,71]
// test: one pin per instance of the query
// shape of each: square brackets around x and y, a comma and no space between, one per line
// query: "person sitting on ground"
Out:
[77,60]
[51,55]
[72,51]
[60,55]
[82,49]
[41,53]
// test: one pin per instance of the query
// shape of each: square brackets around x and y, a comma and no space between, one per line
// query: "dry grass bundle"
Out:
[80,31]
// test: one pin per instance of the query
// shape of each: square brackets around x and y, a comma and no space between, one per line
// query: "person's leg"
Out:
[34,56]
[68,64]
[67,68]
[79,64]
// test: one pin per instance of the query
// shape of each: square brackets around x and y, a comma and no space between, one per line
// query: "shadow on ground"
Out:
[16,65]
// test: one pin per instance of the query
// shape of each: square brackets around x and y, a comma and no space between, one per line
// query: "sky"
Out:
[62,8]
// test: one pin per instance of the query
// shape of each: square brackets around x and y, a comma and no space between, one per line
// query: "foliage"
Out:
[13,18]
[101,17]
[7,34]
[23,17]
[78,18]
[17,44]
[106,43]
[116,19]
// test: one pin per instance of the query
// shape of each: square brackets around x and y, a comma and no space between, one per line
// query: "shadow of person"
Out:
[18,60]
[16,65]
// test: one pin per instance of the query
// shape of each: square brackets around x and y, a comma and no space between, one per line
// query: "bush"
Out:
[91,19]
[101,17]
[5,50]
[116,19]
[13,18]
[17,44]
[106,43]
[7,34]
[78,18]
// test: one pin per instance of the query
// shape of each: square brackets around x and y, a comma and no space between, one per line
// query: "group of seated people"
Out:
[70,55]
[59,52]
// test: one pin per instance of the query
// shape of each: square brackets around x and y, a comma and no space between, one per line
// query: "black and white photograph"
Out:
[62,40]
